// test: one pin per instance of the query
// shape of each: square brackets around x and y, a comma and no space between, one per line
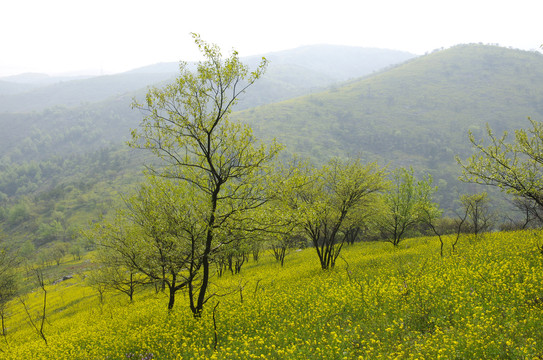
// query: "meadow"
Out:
[485,301]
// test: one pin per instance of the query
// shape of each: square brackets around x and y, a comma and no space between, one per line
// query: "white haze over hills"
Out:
[64,37]
[290,73]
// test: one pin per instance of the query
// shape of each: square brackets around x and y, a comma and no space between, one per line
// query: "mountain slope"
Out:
[76,92]
[421,108]
[290,73]
[338,62]
[415,114]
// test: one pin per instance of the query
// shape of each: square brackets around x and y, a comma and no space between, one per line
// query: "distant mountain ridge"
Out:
[24,82]
[465,87]
[338,62]
[41,79]
[417,111]
[76,92]
[297,70]
[334,61]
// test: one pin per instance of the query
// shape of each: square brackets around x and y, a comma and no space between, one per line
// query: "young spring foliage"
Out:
[186,126]
[513,166]
[479,214]
[407,202]
[327,201]
[159,234]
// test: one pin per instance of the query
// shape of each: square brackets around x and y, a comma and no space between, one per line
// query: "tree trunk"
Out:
[171,301]
[256,252]
[197,311]
[131,287]
[173,289]
[231,263]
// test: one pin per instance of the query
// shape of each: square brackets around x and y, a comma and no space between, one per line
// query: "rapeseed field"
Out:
[483,302]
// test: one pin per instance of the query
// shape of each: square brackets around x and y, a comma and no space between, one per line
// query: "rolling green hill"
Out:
[413,114]
[419,111]
[76,92]
[62,152]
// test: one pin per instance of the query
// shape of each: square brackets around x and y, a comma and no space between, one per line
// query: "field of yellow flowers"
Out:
[483,302]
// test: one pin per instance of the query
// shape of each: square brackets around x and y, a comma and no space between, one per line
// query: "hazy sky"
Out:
[59,36]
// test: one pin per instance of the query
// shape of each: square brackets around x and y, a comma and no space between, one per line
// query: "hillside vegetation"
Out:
[225,223]
[61,134]
[291,73]
[417,113]
[380,302]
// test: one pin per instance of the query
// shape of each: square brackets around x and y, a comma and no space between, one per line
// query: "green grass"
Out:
[378,303]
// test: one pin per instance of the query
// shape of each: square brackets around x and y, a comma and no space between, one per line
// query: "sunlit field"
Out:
[484,301]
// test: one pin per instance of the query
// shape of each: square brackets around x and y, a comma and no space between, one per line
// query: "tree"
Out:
[282,243]
[363,225]
[108,276]
[54,231]
[76,249]
[459,222]
[406,204]
[18,213]
[97,280]
[326,201]
[430,212]
[8,284]
[27,250]
[158,234]
[186,126]
[514,167]
[37,323]
[234,252]
[478,212]
[532,213]
[58,250]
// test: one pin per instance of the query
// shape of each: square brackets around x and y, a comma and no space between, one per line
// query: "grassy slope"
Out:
[417,113]
[428,101]
[380,303]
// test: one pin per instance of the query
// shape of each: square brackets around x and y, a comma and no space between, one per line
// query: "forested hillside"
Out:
[63,157]
[290,73]
[83,115]
[421,109]
[414,114]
